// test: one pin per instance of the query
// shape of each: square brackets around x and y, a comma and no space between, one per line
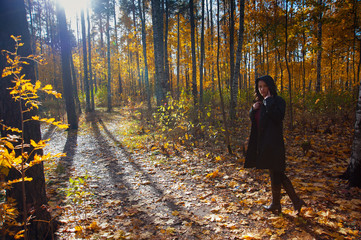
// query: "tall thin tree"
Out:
[236,74]
[85,63]
[201,61]
[91,87]
[319,45]
[194,61]
[166,60]
[178,55]
[109,87]
[288,66]
[227,138]
[144,43]
[231,54]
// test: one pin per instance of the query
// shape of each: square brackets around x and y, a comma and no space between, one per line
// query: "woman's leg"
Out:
[296,200]
[276,183]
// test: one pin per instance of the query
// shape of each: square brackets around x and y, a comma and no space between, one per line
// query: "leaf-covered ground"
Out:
[128,184]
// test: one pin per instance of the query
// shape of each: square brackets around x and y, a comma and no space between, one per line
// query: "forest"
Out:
[130,119]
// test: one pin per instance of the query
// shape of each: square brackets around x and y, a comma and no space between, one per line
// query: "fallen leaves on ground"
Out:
[146,189]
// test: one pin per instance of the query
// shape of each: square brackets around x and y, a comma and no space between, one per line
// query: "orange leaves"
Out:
[251,236]
[214,174]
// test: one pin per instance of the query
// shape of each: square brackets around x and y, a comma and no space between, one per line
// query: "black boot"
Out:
[276,199]
[298,203]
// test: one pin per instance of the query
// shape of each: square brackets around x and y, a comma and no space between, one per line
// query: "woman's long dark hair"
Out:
[271,86]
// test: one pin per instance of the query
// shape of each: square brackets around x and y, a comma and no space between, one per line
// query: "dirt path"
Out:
[130,197]
[135,197]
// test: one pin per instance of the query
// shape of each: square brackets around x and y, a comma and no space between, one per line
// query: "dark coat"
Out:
[266,148]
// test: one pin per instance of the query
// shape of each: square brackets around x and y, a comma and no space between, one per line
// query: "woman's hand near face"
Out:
[257,105]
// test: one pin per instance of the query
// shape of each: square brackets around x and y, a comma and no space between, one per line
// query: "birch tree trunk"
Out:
[353,172]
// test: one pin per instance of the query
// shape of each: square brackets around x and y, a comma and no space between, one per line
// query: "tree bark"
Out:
[109,87]
[194,61]
[319,43]
[66,68]
[144,43]
[211,46]
[160,81]
[166,61]
[85,63]
[178,56]
[13,22]
[353,172]
[76,96]
[288,68]
[91,88]
[231,58]
[227,138]
[234,88]
[201,62]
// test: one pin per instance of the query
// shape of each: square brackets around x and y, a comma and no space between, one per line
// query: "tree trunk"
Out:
[234,88]
[166,61]
[212,42]
[76,96]
[227,138]
[288,68]
[193,46]
[135,39]
[109,87]
[120,84]
[66,68]
[13,22]
[160,81]
[101,34]
[85,63]
[303,55]
[201,62]
[178,56]
[319,51]
[231,59]
[353,172]
[91,88]
[144,43]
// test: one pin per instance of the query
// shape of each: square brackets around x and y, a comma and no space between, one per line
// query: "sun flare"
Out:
[73,7]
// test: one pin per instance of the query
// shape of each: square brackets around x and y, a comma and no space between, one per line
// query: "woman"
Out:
[266,149]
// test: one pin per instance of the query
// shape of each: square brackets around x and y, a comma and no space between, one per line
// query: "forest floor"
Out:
[127,185]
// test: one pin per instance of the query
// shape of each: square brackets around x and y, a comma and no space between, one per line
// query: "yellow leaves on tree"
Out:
[14,152]
[23,89]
